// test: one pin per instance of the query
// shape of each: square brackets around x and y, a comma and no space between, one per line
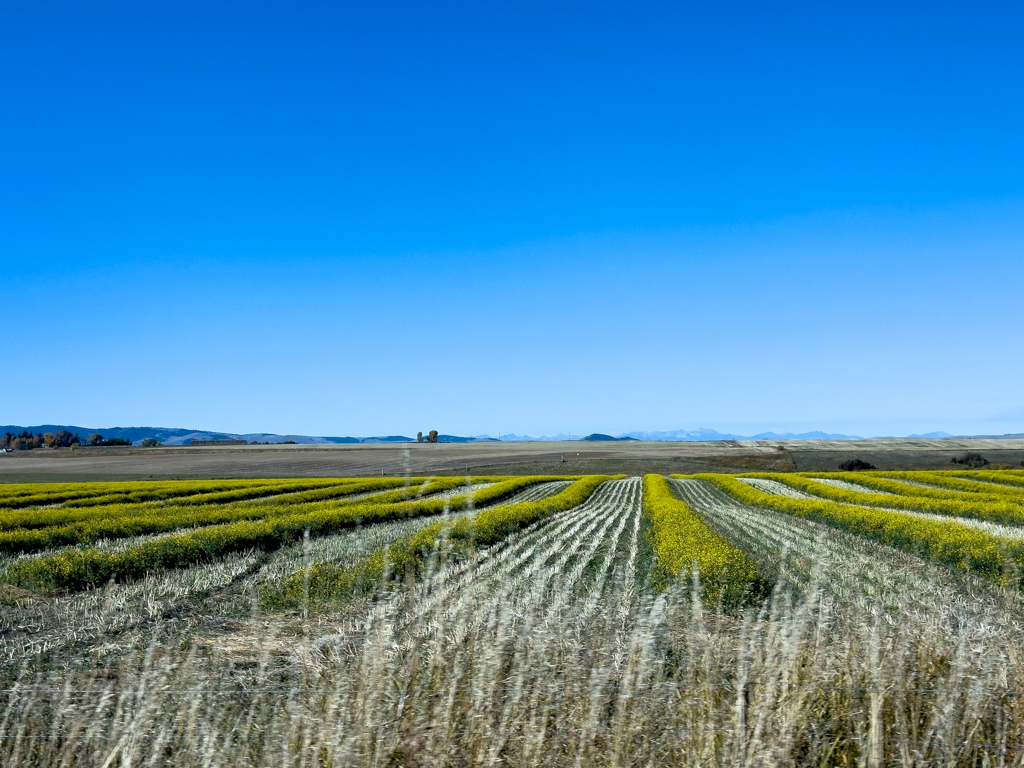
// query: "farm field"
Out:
[492,458]
[766,619]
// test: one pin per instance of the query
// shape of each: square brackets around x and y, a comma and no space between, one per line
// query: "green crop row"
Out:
[78,569]
[946,542]
[682,541]
[994,512]
[325,582]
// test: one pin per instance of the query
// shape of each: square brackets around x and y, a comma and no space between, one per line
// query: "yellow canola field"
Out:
[952,488]
[36,494]
[951,483]
[682,541]
[408,557]
[1013,477]
[947,542]
[79,569]
[1003,512]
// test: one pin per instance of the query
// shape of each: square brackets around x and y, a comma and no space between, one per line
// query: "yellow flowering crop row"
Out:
[56,493]
[65,515]
[136,520]
[889,483]
[959,488]
[1003,512]
[79,569]
[682,540]
[407,557]
[262,490]
[946,542]
[1014,477]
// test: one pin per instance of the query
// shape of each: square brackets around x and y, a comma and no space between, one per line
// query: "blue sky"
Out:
[381,218]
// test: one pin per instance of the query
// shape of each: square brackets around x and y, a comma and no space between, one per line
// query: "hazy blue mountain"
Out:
[710,434]
[179,436]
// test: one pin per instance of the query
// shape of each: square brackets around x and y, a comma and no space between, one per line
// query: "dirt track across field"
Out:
[507,458]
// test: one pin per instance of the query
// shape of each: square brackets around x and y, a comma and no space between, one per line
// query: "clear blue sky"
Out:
[382,218]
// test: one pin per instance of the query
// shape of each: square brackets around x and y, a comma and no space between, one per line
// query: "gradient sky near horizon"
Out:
[378,218]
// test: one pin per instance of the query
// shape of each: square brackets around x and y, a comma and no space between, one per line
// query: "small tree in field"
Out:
[432,436]
[855,465]
[419,437]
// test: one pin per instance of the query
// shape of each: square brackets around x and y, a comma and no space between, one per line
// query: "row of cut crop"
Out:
[1002,512]
[407,557]
[949,543]
[78,569]
[682,541]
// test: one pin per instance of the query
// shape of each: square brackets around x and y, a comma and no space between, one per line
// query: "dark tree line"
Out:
[26,441]
[97,439]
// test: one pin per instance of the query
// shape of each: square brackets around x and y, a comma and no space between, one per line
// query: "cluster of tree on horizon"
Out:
[26,441]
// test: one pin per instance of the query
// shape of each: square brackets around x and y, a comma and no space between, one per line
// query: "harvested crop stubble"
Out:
[1004,512]
[79,569]
[445,539]
[682,541]
[948,543]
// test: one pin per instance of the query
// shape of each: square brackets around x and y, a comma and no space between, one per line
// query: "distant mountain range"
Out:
[177,436]
[710,434]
